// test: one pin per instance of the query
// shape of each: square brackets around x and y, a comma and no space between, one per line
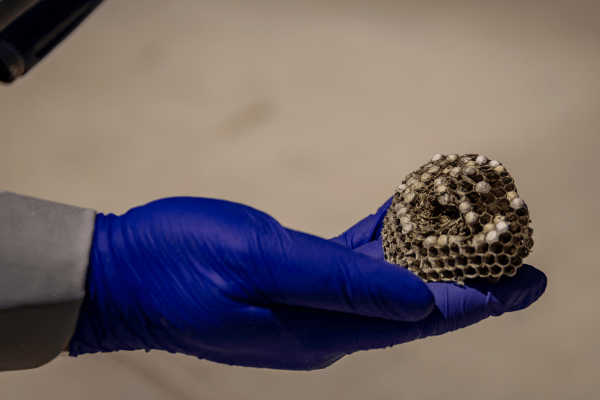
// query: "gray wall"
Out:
[313,111]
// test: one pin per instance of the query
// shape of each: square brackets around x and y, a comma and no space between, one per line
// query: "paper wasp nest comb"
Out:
[457,217]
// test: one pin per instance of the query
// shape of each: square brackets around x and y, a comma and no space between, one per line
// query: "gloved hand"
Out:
[224,282]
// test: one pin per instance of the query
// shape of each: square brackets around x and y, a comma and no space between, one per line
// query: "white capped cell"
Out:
[464,207]
[437,157]
[471,218]
[455,172]
[483,187]
[429,241]
[481,160]
[443,240]
[491,236]
[445,199]
[517,203]
[501,227]
[440,181]
[409,197]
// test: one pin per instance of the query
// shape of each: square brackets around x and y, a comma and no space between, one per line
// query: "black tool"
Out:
[30,29]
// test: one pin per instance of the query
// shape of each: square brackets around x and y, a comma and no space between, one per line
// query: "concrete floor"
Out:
[314,111]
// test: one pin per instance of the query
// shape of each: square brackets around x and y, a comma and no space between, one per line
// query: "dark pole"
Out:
[30,29]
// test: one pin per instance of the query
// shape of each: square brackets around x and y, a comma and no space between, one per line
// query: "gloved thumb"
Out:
[317,273]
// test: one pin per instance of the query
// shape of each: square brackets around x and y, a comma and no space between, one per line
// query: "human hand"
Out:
[455,306]
[227,283]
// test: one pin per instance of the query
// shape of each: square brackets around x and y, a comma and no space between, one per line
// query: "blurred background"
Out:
[314,111]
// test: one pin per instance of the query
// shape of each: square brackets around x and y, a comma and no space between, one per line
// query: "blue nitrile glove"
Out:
[227,283]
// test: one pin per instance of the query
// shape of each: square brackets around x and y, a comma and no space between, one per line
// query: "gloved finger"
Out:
[456,307]
[480,298]
[313,272]
[364,231]
[460,306]
[372,249]
[375,250]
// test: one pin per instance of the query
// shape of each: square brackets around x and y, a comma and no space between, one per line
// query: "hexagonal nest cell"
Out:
[458,217]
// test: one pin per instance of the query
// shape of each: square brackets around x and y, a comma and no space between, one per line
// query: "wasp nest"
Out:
[458,217]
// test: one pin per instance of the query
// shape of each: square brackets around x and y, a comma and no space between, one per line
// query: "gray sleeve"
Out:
[44,255]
